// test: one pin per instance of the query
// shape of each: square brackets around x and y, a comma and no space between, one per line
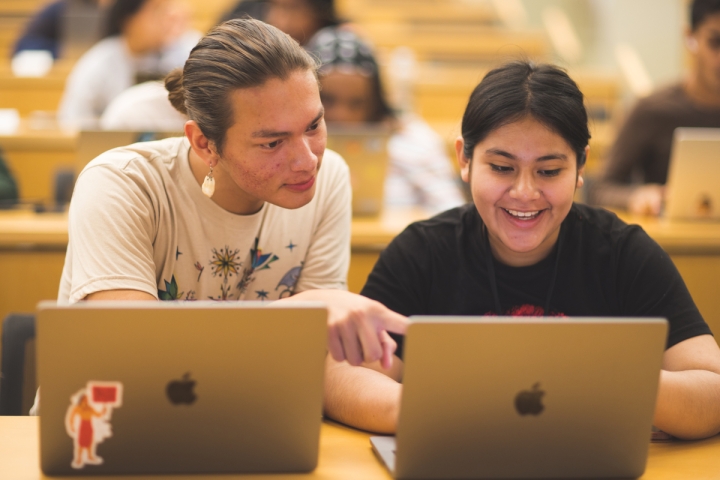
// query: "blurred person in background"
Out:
[145,40]
[419,170]
[45,29]
[300,19]
[144,107]
[637,167]
[8,186]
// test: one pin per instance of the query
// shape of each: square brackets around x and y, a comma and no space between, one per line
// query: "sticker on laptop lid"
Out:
[88,419]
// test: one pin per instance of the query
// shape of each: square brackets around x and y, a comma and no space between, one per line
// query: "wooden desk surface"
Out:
[24,229]
[374,233]
[345,453]
[680,237]
[32,249]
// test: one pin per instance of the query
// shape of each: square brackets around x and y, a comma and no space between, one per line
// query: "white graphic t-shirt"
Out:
[138,220]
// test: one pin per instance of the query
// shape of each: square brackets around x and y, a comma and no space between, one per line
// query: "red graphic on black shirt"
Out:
[527,310]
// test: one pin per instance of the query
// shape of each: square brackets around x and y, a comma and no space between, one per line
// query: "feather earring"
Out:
[208,186]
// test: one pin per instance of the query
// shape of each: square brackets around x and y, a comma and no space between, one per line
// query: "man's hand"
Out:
[357,326]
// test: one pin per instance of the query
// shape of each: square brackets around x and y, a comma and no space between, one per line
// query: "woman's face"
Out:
[297,18]
[522,178]
[347,97]
[157,24]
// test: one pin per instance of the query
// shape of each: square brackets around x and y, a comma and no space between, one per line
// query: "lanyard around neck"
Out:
[493,279]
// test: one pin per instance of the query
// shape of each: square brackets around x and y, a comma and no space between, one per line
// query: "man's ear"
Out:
[581,170]
[201,145]
[463,161]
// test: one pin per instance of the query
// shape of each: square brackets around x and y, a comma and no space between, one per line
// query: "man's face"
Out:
[347,97]
[274,149]
[294,17]
[704,44]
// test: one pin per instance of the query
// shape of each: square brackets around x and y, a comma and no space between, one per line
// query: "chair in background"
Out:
[17,384]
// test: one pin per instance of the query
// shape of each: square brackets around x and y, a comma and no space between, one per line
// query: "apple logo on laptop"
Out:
[182,391]
[530,401]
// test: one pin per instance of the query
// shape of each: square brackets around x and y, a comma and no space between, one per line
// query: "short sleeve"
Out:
[111,233]
[401,277]
[649,285]
[328,257]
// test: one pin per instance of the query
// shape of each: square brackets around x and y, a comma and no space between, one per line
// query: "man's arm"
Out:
[366,397]
[120,295]
[357,326]
[688,403]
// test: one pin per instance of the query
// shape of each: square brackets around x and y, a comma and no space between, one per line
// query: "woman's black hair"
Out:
[118,14]
[519,89]
[337,48]
[700,10]
[325,11]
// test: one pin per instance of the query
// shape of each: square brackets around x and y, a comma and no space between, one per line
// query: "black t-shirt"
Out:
[606,268]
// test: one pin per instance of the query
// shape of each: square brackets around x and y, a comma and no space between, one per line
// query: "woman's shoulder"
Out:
[446,227]
[599,226]
[415,132]
[101,57]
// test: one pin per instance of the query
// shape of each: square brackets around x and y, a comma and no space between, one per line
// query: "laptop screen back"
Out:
[524,398]
[693,185]
[364,148]
[192,387]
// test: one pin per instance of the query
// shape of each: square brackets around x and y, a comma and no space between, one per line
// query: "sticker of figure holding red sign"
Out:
[88,419]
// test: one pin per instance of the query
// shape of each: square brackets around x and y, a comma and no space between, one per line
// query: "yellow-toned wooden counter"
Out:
[345,454]
[35,155]
[32,253]
[27,94]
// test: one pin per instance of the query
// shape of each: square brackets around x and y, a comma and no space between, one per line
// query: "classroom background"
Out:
[431,55]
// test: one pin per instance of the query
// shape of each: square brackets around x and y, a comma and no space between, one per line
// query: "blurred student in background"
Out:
[145,39]
[300,19]
[419,170]
[637,167]
[45,29]
[8,186]
[144,107]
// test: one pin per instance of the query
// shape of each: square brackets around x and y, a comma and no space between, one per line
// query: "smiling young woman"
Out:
[522,247]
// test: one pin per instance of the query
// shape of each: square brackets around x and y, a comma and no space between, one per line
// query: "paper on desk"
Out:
[32,63]
[9,121]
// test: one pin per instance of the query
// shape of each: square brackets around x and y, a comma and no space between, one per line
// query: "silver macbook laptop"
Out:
[364,148]
[192,387]
[526,398]
[693,184]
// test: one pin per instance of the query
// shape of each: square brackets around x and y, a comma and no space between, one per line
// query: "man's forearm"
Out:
[361,397]
[688,404]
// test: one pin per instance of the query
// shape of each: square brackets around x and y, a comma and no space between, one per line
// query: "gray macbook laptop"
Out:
[364,148]
[693,184]
[192,387]
[526,398]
